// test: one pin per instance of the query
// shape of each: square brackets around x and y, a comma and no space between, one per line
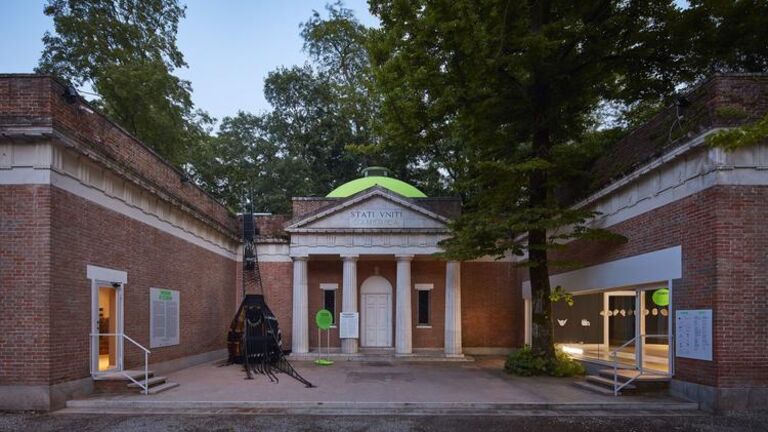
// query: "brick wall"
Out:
[277,279]
[37,101]
[85,233]
[25,283]
[304,206]
[721,101]
[724,268]
[429,272]
[491,305]
[323,271]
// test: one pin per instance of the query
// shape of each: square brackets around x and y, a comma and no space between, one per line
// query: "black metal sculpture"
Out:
[254,338]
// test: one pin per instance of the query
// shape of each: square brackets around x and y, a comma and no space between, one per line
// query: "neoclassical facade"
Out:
[369,252]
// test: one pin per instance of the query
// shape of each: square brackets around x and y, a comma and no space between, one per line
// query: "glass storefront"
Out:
[596,324]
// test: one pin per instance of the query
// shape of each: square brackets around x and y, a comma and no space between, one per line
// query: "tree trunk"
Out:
[542,329]
[542,338]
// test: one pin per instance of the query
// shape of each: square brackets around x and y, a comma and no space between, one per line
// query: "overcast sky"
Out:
[230,46]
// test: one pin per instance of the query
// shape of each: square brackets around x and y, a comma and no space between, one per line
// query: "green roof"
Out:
[363,183]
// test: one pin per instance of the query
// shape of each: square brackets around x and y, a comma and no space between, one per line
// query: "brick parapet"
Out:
[34,104]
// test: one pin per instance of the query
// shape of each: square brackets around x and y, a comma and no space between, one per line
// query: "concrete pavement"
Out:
[371,388]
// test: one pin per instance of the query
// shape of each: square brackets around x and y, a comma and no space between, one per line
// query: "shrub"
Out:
[526,362]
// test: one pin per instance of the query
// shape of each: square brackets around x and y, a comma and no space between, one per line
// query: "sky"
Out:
[230,46]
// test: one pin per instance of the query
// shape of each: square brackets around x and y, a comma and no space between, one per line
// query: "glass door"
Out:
[620,315]
[107,327]
[655,325]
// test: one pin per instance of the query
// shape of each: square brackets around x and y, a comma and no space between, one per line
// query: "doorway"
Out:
[376,312]
[632,322]
[107,327]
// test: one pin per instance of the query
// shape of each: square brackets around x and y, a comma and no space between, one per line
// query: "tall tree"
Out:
[126,51]
[728,36]
[319,111]
[507,89]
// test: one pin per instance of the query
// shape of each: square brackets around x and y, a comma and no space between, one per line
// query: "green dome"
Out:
[363,183]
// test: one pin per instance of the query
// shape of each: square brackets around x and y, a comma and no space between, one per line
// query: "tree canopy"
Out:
[125,50]
[301,147]
[508,99]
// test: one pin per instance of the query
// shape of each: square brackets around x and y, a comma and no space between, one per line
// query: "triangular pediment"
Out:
[373,210]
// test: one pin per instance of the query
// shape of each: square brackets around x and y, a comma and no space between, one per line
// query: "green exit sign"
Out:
[165,295]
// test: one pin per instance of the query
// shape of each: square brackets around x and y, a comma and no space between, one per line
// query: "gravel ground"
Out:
[228,423]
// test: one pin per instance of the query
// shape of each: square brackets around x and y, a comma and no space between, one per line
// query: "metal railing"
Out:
[638,355]
[123,337]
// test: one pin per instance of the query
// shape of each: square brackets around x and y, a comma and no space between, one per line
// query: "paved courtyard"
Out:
[480,385]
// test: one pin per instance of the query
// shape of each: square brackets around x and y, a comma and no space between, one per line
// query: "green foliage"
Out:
[566,366]
[723,36]
[741,137]
[730,113]
[527,362]
[559,294]
[126,51]
[301,147]
[502,94]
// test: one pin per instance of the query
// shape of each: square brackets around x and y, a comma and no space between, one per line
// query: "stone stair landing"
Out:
[603,382]
[116,383]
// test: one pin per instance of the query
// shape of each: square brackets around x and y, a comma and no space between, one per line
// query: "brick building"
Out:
[99,236]
[689,288]
[91,223]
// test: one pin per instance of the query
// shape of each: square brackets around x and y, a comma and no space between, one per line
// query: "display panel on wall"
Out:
[164,305]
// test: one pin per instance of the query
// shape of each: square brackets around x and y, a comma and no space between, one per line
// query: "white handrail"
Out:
[145,386]
[615,354]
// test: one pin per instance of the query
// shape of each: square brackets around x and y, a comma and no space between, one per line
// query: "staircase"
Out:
[644,383]
[121,382]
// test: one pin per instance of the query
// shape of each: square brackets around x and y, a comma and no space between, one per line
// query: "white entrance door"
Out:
[106,326]
[376,313]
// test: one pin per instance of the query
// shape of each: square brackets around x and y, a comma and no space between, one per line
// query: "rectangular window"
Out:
[329,302]
[423,307]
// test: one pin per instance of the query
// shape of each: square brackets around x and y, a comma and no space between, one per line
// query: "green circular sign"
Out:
[324,319]
[661,297]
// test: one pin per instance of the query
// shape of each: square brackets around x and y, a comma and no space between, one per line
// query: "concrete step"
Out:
[627,374]
[606,382]
[594,388]
[646,383]
[120,376]
[163,387]
[154,381]
[619,406]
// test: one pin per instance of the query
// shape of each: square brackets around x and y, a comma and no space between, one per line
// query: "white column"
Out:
[300,333]
[349,297]
[403,330]
[453,308]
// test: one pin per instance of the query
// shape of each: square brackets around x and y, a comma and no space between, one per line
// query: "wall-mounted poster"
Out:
[349,327]
[693,334]
[163,317]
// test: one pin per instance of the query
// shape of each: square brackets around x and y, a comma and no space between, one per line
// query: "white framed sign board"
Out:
[349,327]
[164,309]
[693,334]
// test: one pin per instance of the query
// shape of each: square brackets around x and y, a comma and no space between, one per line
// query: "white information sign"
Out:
[349,326]
[376,218]
[693,334]
[163,317]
